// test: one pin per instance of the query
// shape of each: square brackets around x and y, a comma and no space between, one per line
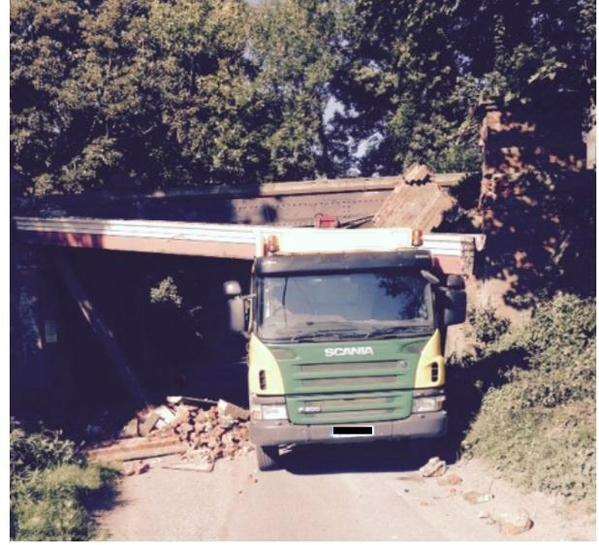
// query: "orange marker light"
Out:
[272,245]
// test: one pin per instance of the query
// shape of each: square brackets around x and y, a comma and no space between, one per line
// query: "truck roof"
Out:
[283,264]
[452,253]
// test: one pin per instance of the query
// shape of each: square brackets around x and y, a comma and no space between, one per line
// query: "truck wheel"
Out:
[268,458]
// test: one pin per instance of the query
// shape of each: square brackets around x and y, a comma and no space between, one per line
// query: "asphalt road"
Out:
[370,492]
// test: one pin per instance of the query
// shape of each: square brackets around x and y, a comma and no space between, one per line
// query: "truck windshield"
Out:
[342,305]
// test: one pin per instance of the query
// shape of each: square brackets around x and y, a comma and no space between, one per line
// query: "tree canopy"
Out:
[158,93]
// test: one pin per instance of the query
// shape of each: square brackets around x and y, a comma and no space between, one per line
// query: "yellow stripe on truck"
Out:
[260,358]
[431,353]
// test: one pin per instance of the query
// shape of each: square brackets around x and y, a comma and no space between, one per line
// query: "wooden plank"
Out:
[138,449]
[101,330]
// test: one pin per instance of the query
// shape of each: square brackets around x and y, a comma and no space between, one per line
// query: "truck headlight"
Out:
[274,412]
[427,404]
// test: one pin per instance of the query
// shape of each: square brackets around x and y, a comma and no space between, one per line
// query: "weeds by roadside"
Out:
[533,390]
[51,487]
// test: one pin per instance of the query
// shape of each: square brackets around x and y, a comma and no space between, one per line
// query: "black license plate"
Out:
[352,431]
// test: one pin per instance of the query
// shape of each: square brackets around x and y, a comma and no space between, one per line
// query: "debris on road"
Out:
[201,436]
[228,410]
[134,468]
[136,448]
[166,414]
[149,423]
[186,400]
[202,462]
[131,429]
[204,467]
[474,498]
[435,467]
[512,523]
[451,479]
[411,478]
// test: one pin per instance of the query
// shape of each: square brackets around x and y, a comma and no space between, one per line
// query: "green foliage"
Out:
[414,70]
[552,450]
[50,485]
[539,53]
[152,93]
[562,330]
[294,46]
[148,93]
[51,504]
[42,450]
[488,328]
[404,79]
[538,423]
[552,384]
[166,292]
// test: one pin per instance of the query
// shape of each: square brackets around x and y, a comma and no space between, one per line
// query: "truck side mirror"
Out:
[455,282]
[454,306]
[232,288]
[235,305]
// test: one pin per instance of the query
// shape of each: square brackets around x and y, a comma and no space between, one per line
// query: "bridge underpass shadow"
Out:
[172,349]
[221,375]
[366,457]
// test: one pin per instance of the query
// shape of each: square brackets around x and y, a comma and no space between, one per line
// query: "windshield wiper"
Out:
[393,331]
[332,333]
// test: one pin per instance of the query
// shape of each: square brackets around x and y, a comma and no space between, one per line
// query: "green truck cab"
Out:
[345,347]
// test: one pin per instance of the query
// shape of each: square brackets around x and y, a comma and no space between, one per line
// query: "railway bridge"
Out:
[98,257]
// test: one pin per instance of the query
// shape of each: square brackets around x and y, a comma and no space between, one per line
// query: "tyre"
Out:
[267,457]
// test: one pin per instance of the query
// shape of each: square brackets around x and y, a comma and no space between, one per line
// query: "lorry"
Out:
[346,333]
[346,327]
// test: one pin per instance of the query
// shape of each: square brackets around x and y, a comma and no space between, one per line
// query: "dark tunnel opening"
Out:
[167,314]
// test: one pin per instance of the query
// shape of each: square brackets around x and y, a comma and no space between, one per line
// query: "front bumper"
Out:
[416,426]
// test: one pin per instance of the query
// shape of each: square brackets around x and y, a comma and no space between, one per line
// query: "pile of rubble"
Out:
[200,430]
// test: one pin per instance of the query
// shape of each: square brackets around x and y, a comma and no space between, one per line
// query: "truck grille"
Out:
[348,381]
[345,392]
[350,388]
[356,408]
[349,376]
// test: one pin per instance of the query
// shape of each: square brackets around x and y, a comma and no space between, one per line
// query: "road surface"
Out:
[338,493]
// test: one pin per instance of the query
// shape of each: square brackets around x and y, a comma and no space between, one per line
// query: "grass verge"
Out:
[536,414]
[52,488]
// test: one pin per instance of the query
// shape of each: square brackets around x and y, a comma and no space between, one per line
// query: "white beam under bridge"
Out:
[453,253]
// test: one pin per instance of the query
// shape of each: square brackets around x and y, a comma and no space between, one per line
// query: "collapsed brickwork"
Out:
[535,203]
[519,143]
